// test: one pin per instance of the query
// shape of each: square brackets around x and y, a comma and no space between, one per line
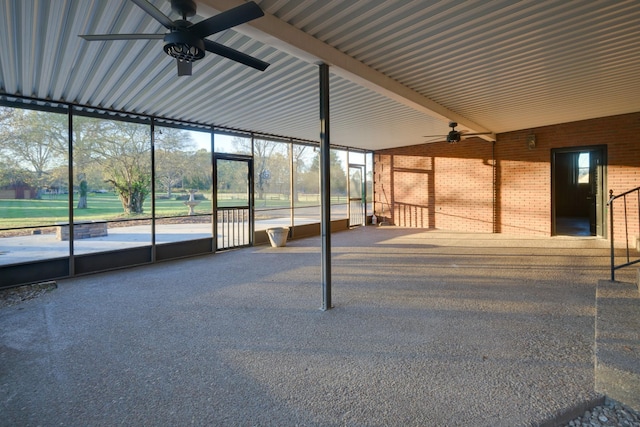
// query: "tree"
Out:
[116,152]
[272,168]
[86,134]
[299,153]
[262,151]
[198,173]
[232,177]
[82,194]
[278,165]
[35,141]
[123,149]
[337,175]
[172,162]
[11,176]
[171,167]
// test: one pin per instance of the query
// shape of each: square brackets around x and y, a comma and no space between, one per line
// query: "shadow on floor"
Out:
[573,226]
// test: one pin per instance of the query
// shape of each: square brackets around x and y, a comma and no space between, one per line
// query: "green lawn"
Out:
[33,213]
[27,213]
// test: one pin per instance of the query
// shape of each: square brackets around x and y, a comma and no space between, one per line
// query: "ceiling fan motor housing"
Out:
[453,136]
[184,46]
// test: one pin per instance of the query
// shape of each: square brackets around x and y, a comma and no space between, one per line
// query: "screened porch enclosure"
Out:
[84,191]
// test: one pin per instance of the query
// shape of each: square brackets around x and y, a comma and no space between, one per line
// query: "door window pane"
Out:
[356,195]
[583,168]
[233,183]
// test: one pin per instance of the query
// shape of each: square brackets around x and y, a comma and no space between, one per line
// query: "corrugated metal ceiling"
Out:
[505,65]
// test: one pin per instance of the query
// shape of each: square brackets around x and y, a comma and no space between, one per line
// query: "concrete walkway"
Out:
[429,329]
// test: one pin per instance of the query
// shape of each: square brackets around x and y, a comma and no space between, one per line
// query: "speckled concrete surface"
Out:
[429,328]
[617,371]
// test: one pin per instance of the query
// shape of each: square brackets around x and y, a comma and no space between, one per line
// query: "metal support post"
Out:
[325,187]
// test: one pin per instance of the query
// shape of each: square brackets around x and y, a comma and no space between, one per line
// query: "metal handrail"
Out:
[612,198]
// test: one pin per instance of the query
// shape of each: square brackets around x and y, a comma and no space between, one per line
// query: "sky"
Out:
[203,140]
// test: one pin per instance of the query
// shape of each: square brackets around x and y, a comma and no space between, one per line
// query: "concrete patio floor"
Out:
[29,248]
[429,328]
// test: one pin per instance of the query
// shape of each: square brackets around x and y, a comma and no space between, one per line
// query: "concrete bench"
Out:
[82,229]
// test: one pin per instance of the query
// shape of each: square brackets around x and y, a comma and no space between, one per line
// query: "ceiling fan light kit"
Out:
[184,46]
[185,41]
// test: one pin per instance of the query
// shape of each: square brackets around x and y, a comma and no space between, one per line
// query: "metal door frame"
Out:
[237,158]
[600,186]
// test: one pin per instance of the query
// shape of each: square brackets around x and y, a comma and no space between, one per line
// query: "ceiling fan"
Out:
[187,41]
[455,136]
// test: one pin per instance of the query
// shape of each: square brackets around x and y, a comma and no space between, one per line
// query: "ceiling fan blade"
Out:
[235,55]
[434,136]
[475,133]
[93,37]
[225,20]
[184,67]
[155,13]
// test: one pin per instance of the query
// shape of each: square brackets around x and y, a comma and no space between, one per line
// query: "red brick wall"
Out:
[523,190]
[445,186]
[450,186]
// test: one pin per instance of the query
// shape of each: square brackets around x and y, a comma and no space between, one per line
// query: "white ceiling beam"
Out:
[285,37]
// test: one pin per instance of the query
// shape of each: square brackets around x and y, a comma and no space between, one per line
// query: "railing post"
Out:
[613,262]
[626,226]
